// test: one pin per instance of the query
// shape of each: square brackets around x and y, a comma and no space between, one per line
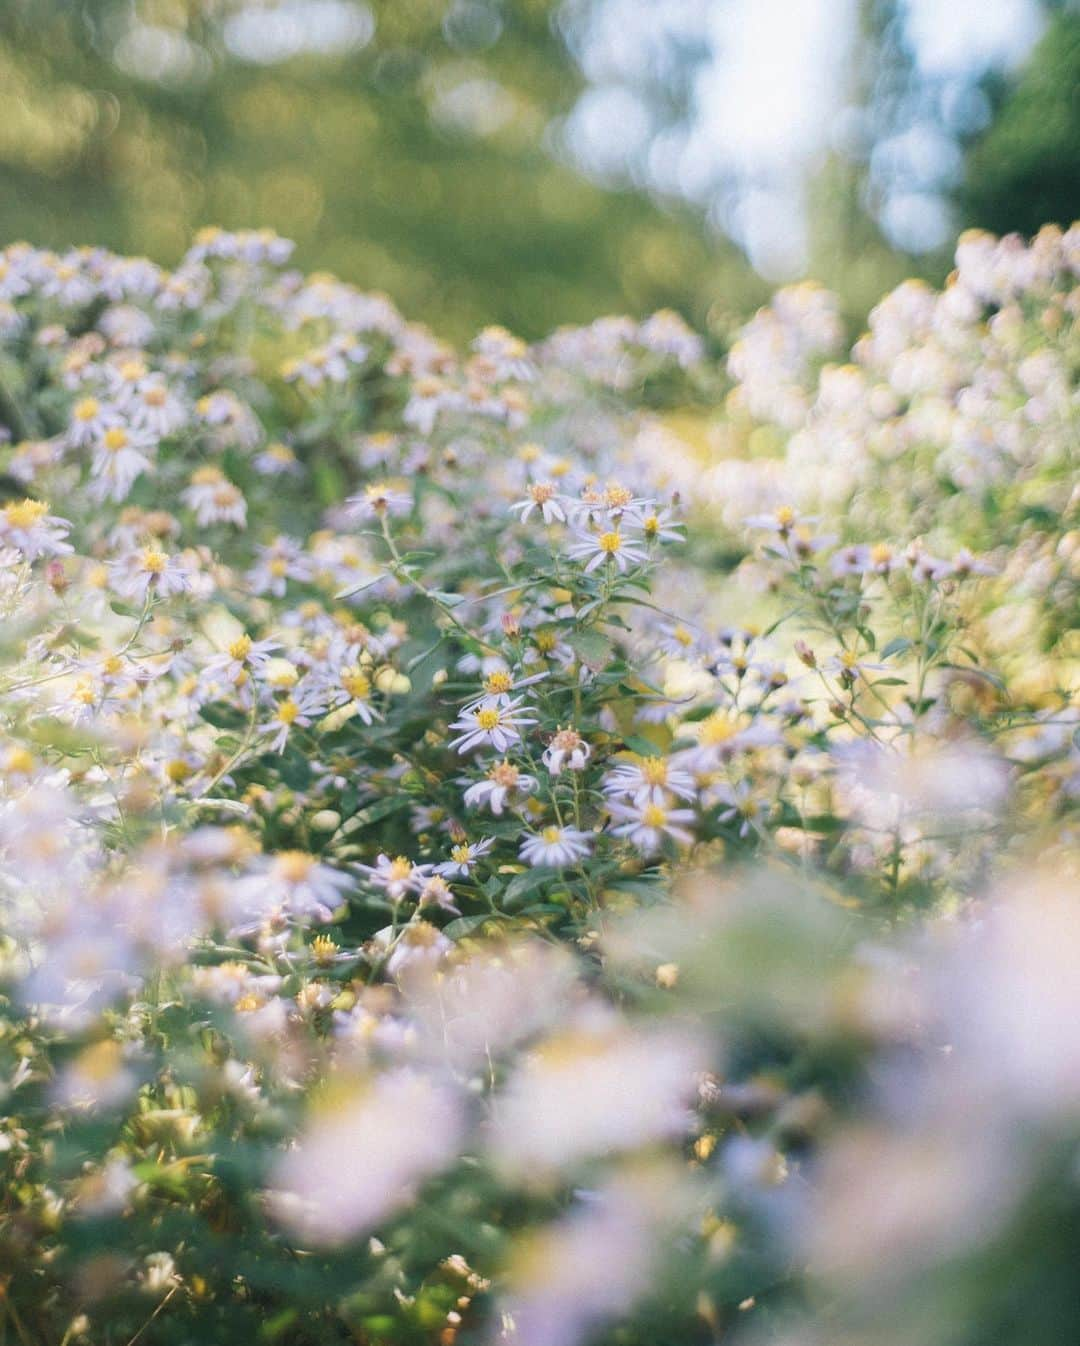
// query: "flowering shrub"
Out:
[408,762]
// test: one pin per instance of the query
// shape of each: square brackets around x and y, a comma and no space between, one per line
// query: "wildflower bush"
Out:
[477,867]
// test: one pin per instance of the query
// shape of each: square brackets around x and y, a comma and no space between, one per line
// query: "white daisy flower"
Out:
[119,458]
[28,526]
[421,946]
[645,824]
[294,883]
[740,803]
[556,846]
[90,418]
[566,750]
[612,547]
[544,496]
[275,565]
[649,781]
[156,408]
[398,877]
[232,422]
[782,521]
[214,499]
[436,893]
[242,658]
[503,781]
[346,684]
[658,525]
[966,563]
[138,573]
[491,723]
[463,858]
[378,501]
[276,460]
[927,569]
[499,683]
[299,708]
[848,666]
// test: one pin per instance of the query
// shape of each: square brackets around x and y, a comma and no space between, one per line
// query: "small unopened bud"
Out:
[510,625]
[806,654]
[56,576]
[667,976]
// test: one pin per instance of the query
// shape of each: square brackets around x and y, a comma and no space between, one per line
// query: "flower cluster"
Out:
[365,709]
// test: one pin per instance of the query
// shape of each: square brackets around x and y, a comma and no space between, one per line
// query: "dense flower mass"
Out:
[468,825]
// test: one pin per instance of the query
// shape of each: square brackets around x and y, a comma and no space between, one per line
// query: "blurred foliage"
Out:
[1026,168]
[414,164]
[423,157]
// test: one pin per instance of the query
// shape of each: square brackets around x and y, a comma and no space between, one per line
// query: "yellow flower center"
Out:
[652,815]
[400,868]
[487,719]
[718,728]
[154,561]
[357,684]
[504,774]
[460,855]
[206,476]
[86,409]
[654,770]
[498,682]
[609,542]
[100,1062]
[85,692]
[293,866]
[551,835]
[288,711]
[20,761]
[115,438]
[25,513]
[323,948]
[785,516]
[240,648]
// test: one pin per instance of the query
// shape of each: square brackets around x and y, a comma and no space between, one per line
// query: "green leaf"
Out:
[359,588]
[642,746]
[465,925]
[382,808]
[898,645]
[522,885]
[592,647]
[447,600]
